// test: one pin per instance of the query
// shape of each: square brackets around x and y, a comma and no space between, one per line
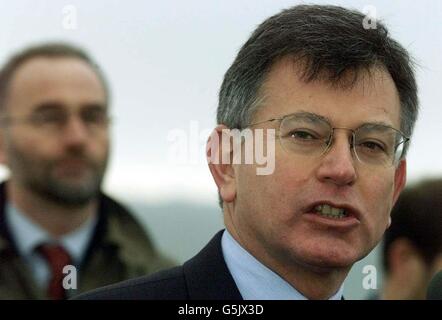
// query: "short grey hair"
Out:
[330,41]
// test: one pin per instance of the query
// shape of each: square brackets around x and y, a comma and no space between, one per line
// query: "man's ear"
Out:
[400,178]
[219,158]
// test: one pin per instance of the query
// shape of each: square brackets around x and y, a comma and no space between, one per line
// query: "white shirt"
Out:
[27,236]
[254,280]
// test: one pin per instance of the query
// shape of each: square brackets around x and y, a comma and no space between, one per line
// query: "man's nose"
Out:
[338,164]
[75,131]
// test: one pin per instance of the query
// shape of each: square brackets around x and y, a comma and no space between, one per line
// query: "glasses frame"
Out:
[28,120]
[404,139]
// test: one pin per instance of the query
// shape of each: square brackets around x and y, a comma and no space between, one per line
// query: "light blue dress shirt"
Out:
[254,280]
[27,236]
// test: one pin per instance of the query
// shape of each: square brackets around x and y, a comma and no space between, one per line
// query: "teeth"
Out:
[329,211]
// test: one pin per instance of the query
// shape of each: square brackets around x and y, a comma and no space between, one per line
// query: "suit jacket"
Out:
[204,277]
[120,250]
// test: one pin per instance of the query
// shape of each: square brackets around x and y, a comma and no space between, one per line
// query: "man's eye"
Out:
[48,118]
[94,116]
[302,135]
[373,146]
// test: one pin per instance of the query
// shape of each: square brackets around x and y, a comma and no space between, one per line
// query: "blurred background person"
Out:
[54,139]
[412,251]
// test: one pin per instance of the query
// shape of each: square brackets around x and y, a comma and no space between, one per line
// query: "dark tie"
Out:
[57,258]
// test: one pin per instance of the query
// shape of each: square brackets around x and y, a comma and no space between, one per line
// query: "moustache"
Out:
[81,160]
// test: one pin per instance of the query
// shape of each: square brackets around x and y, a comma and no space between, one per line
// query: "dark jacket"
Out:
[204,277]
[119,250]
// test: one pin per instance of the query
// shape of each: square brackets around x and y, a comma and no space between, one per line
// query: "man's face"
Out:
[61,161]
[272,214]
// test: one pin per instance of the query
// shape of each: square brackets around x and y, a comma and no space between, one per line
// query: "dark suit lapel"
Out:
[207,276]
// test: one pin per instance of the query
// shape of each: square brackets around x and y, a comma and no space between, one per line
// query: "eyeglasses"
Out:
[310,134]
[53,119]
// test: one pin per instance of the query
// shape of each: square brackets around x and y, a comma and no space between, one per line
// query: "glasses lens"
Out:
[378,144]
[95,116]
[304,134]
[49,117]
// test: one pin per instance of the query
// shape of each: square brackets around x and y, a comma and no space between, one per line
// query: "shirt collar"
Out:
[254,280]
[28,235]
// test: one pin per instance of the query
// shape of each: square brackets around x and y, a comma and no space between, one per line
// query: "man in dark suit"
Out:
[331,104]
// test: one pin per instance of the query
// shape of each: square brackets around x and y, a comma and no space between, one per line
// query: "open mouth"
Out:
[328,211]
[333,214]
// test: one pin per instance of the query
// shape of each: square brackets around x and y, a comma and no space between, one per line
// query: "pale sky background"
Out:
[165,61]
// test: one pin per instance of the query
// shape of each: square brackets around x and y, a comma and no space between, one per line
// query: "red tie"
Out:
[57,258]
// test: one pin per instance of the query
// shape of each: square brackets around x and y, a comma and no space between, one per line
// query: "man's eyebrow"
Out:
[375,124]
[48,106]
[97,106]
[54,105]
[379,125]
[312,116]
[315,117]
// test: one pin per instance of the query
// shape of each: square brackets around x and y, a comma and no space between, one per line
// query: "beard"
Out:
[72,180]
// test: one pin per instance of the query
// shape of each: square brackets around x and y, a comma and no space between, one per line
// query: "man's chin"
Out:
[329,258]
[75,180]
[73,197]
[330,263]
[72,192]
